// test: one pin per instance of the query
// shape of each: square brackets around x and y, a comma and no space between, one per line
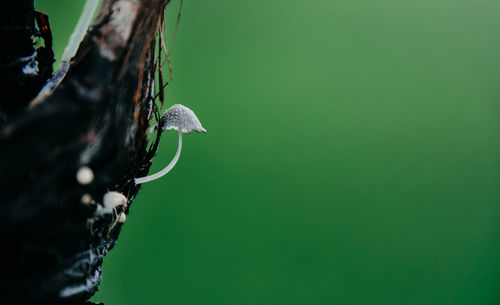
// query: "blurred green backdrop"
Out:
[352,157]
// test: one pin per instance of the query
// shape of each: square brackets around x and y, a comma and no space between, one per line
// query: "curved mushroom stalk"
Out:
[182,119]
[164,171]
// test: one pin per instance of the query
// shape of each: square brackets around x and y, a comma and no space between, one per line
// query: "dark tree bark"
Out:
[52,236]
[23,69]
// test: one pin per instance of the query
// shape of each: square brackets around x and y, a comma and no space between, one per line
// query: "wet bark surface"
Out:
[53,238]
[23,69]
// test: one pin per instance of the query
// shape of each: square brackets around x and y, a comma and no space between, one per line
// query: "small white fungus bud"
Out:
[84,175]
[86,199]
[122,218]
[110,201]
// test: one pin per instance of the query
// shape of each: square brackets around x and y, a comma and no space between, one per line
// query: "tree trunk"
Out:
[51,230]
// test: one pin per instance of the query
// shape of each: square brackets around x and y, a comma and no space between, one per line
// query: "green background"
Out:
[352,157]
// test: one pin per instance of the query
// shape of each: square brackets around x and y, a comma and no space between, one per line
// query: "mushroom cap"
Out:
[113,199]
[180,118]
[84,175]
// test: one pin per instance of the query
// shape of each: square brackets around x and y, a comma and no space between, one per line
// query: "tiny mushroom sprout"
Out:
[110,201]
[84,175]
[182,119]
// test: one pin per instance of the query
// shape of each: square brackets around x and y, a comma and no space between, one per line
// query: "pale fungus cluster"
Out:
[177,117]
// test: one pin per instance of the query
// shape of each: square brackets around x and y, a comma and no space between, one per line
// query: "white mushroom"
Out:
[84,175]
[122,217]
[86,199]
[111,200]
[183,120]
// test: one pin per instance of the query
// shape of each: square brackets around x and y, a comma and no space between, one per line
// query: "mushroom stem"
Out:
[164,171]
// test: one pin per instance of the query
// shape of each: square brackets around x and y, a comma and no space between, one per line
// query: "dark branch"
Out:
[97,117]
